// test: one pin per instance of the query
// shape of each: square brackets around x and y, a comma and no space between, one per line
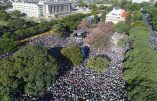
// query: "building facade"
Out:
[42,8]
[116,15]
[140,1]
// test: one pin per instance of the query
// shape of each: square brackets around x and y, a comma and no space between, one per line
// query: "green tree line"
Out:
[140,66]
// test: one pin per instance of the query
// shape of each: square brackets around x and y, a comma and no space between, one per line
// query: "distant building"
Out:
[116,15]
[40,8]
[79,34]
[140,1]
[90,19]
[86,1]
[91,1]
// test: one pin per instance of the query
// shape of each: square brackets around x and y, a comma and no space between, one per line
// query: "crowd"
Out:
[6,55]
[51,41]
[153,35]
[83,84]
[153,42]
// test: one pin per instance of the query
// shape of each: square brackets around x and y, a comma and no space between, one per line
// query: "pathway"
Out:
[153,33]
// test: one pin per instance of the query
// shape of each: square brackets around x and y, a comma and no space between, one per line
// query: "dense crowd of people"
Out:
[51,41]
[6,55]
[153,35]
[83,84]
[153,42]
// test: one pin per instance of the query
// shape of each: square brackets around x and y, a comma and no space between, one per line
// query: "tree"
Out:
[72,21]
[17,24]
[103,16]
[123,4]
[98,63]
[155,4]
[101,7]
[140,65]
[122,27]
[133,7]
[99,36]
[84,25]
[7,45]
[73,53]
[113,2]
[140,61]
[58,30]
[138,15]
[3,15]
[124,41]
[142,91]
[138,24]
[96,19]
[82,4]
[7,35]
[94,12]
[92,6]
[29,70]
[16,13]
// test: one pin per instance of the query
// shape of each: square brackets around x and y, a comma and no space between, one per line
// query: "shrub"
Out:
[122,27]
[98,63]
[73,53]
[7,45]
[139,24]
[123,42]
[58,30]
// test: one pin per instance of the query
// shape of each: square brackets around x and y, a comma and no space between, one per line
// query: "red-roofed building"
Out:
[116,15]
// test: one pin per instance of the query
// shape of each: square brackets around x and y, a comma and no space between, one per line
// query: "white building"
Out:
[140,1]
[116,15]
[43,8]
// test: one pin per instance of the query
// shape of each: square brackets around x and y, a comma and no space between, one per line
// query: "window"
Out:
[62,8]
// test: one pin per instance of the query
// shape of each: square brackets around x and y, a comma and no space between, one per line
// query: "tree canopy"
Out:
[99,36]
[92,6]
[103,16]
[98,63]
[3,15]
[7,45]
[29,70]
[73,53]
[143,91]
[82,4]
[16,13]
[72,21]
[17,24]
[140,65]
[122,27]
[138,15]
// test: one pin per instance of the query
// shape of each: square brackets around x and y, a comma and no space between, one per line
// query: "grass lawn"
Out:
[3,23]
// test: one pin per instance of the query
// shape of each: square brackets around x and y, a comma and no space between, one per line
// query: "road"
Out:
[153,33]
